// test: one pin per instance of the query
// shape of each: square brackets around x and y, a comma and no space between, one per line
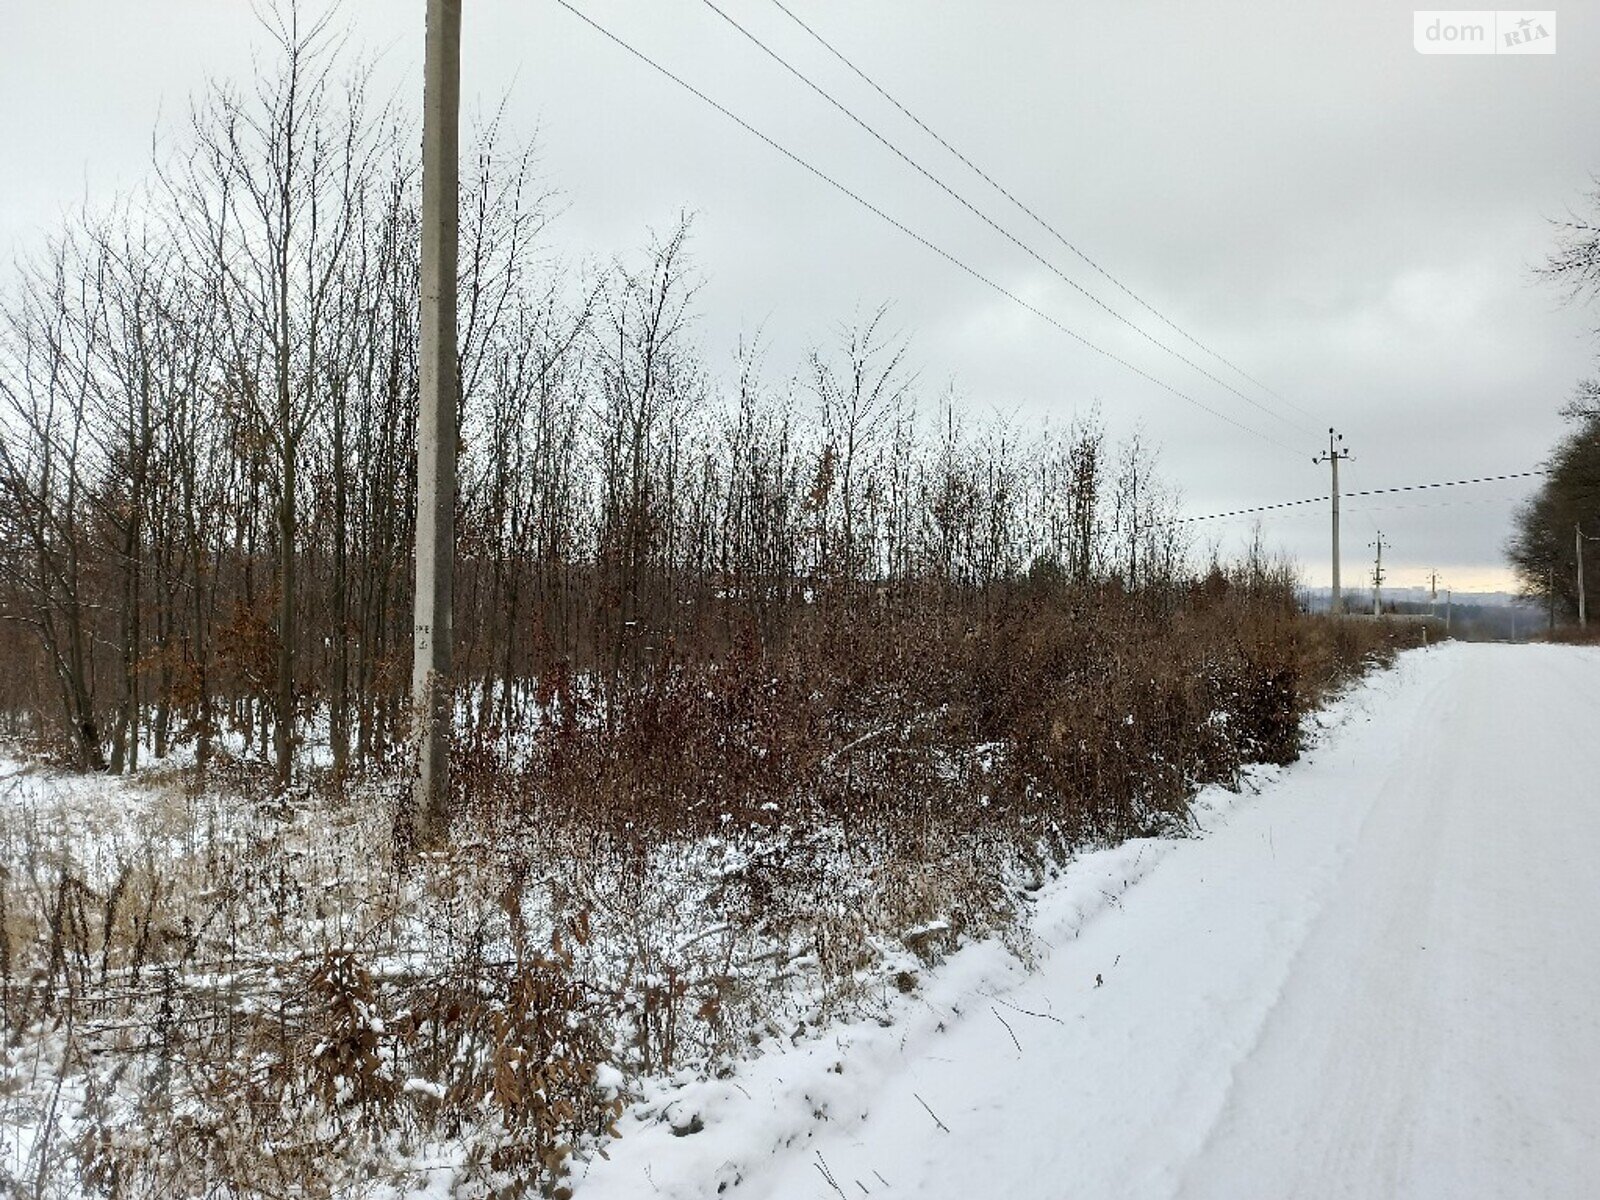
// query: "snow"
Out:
[1375,976]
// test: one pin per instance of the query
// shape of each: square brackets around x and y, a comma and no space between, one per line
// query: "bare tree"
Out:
[274,196]
[52,335]
[857,394]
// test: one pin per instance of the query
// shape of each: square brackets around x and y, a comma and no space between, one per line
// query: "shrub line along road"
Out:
[1380,977]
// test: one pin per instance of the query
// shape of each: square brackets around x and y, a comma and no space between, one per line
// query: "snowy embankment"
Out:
[1373,975]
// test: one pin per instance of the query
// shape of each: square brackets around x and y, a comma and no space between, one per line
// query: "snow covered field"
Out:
[1378,976]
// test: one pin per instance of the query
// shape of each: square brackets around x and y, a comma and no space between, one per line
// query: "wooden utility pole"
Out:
[1332,455]
[436,421]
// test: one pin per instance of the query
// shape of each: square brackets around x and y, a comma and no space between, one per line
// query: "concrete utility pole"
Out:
[1332,455]
[1550,593]
[1377,575]
[1583,607]
[436,420]
[1447,610]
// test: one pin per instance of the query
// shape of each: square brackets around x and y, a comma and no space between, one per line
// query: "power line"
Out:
[1422,487]
[1458,502]
[1365,509]
[911,233]
[987,219]
[1409,487]
[1046,225]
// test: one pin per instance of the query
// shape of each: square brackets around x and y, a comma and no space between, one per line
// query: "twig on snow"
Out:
[1009,1030]
[932,1114]
[1024,1011]
[822,1168]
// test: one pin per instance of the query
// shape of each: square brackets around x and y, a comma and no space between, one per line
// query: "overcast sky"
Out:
[1352,223]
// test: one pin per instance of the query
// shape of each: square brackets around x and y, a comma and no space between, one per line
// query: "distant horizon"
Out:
[1411,592]
[1461,580]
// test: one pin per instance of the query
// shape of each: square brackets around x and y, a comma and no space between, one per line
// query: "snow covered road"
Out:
[1380,977]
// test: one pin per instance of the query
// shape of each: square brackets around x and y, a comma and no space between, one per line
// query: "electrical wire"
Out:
[1409,487]
[1365,509]
[909,232]
[991,222]
[1044,224]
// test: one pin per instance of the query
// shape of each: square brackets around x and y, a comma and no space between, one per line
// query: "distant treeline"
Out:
[1544,545]
[1564,513]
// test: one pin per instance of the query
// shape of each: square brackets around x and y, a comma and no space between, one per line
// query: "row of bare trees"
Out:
[1563,515]
[207,492]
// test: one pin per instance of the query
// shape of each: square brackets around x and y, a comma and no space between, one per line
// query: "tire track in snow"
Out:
[1437,704]
[1412,1054]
